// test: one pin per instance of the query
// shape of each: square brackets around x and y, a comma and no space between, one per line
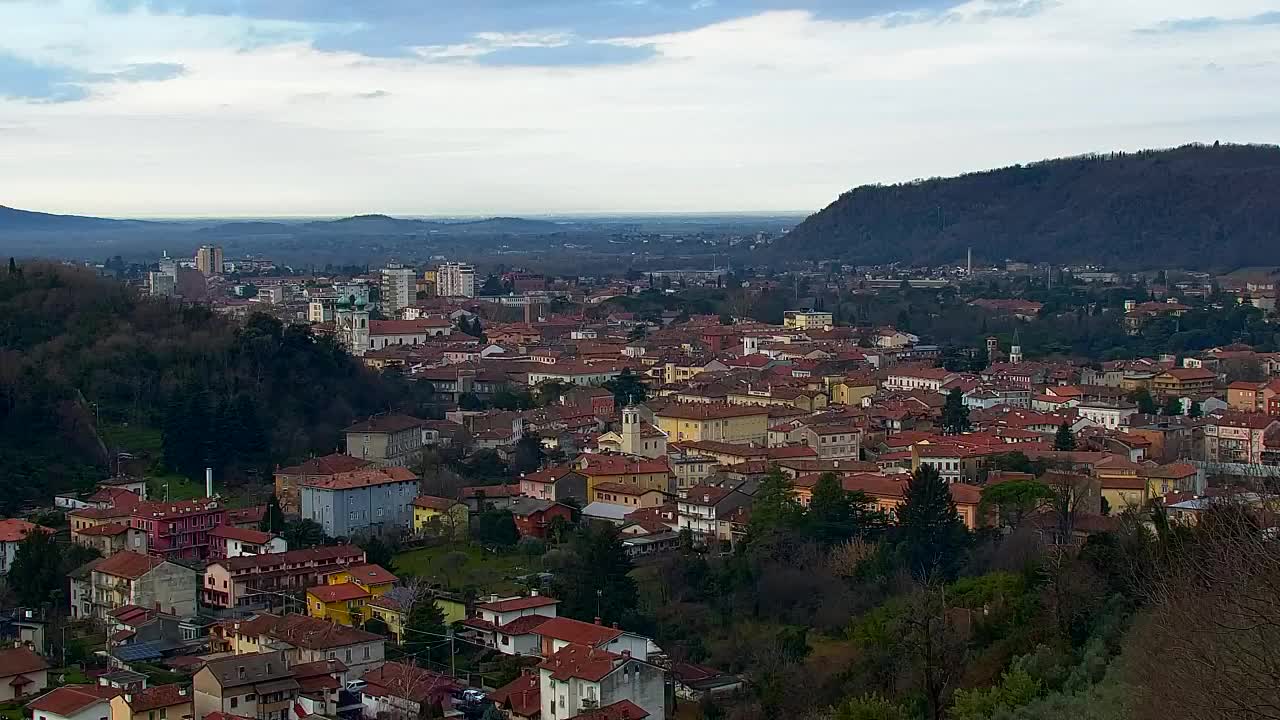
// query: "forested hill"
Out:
[1189,207]
[238,398]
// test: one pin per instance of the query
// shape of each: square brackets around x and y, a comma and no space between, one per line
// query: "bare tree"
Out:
[1072,494]
[1208,648]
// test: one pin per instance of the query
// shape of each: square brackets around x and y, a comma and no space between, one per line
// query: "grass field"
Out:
[467,566]
[134,439]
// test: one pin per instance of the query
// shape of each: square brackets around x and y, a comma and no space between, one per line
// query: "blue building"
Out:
[362,502]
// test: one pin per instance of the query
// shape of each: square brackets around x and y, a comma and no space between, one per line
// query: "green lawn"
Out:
[180,488]
[12,711]
[478,568]
[132,438]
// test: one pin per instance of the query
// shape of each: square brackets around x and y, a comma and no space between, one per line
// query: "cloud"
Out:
[1210,23]
[52,83]
[757,105]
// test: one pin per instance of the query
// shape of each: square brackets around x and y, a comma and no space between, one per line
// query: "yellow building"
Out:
[683,422]
[162,702]
[440,517]
[344,597]
[807,320]
[394,607]
[636,472]
[851,392]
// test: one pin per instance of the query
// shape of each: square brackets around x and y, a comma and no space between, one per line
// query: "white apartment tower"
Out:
[456,280]
[397,288]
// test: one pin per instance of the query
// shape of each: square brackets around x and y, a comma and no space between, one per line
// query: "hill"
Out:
[28,221]
[1193,207]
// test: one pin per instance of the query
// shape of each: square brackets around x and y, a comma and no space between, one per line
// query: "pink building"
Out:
[178,530]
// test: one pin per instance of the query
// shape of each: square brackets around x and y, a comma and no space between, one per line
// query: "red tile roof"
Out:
[306,632]
[411,683]
[103,530]
[13,529]
[708,411]
[432,502]
[371,574]
[515,604]
[578,632]
[160,696]
[362,478]
[325,555]
[522,696]
[621,710]
[71,699]
[127,564]
[386,424]
[580,661]
[523,625]
[254,537]
[622,465]
[342,592]
[327,465]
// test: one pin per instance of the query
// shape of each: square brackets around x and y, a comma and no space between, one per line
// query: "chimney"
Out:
[615,625]
[182,692]
[208,482]
[533,592]
[599,621]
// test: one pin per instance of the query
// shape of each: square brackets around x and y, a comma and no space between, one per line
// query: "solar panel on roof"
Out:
[139,651]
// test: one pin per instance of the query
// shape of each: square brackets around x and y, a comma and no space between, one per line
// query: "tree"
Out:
[378,552]
[774,512]
[1064,439]
[273,519]
[955,415]
[931,534]
[627,388]
[1196,410]
[304,533]
[36,573]
[376,626]
[424,624]
[869,707]
[1142,398]
[1015,500]
[528,454]
[1070,492]
[836,515]
[497,529]
[1172,406]
[595,579]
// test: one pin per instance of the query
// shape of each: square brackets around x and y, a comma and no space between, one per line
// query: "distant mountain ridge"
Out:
[15,220]
[1194,206]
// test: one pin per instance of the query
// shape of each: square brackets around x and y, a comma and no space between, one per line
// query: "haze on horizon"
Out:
[240,108]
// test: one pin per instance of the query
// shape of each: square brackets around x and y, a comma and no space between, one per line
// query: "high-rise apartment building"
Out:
[456,280]
[398,288]
[209,260]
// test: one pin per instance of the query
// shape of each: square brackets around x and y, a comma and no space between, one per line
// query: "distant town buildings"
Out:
[456,280]
[209,260]
[398,289]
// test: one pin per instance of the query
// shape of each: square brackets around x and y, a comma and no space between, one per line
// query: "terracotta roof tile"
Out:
[127,564]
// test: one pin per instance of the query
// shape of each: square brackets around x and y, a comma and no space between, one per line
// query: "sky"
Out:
[240,108]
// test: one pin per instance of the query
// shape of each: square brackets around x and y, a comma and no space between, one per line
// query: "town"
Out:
[594,469]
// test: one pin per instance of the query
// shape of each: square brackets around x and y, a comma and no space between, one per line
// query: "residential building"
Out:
[209,260]
[1180,382]
[361,502]
[256,580]
[259,685]
[1238,437]
[12,532]
[74,702]
[579,679]
[128,578]
[520,699]
[1107,415]
[289,480]
[397,288]
[441,517]
[918,379]
[632,496]
[396,691]
[390,439]
[1253,397]
[304,640]
[456,280]
[620,469]
[832,442]
[162,702]
[228,542]
[740,424]
[178,530]
[712,513]
[574,374]
[395,333]
[807,320]
[343,596]
[320,687]
[1174,477]
[111,538]
[534,517]
[555,483]
[22,673]
[393,607]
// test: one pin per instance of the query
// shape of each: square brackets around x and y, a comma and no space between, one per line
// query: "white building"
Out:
[398,288]
[161,284]
[579,678]
[74,702]
[456,280]
[1106,414]
[807,320]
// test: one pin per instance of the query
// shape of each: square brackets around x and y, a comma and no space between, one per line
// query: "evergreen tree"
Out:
[627,389]
[1065,439]
[774,509]
[932,536]
[377,552]
[13,266]
[955,415]
[836,515]
[36,572]
[1196,410]
[304,533]
[424,627]
[595,580]
[1142,398]
[528,454]
[1172,406]
[497,529]
[273,518]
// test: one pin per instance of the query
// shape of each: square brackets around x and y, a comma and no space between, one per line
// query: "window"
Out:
[164,713]
[235,702]
[250,697]
[348,654]
[366,652]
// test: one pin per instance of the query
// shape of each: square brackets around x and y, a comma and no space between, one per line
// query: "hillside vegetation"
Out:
[77,351]
[1190,207]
